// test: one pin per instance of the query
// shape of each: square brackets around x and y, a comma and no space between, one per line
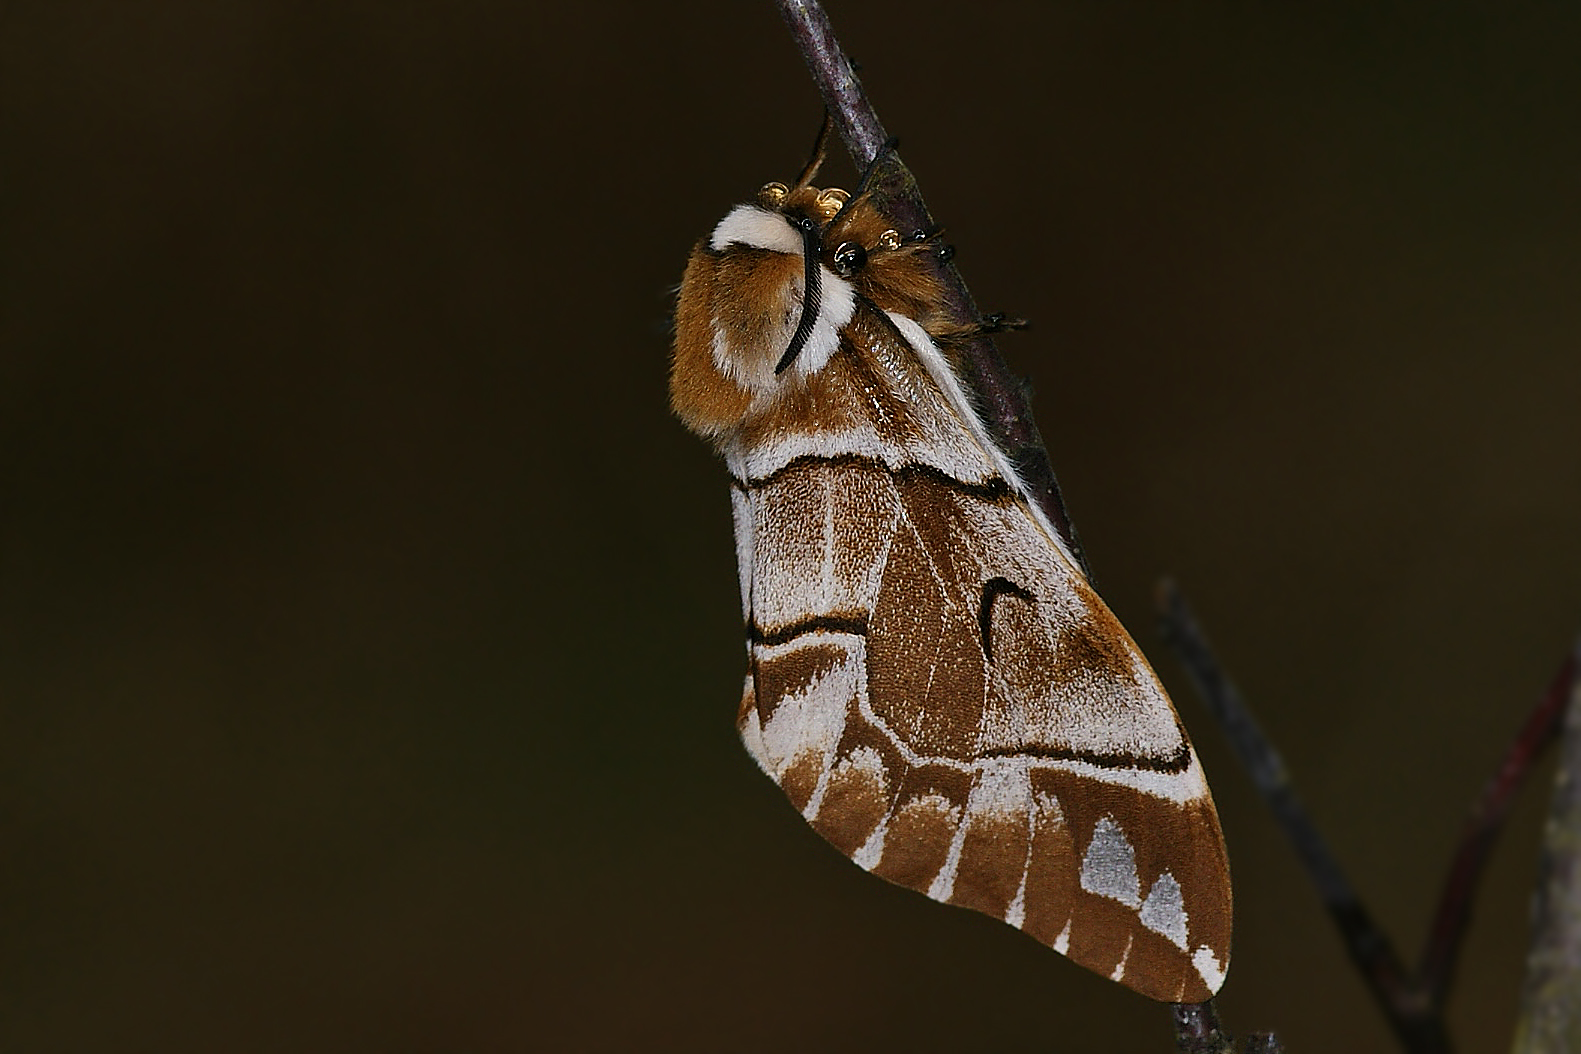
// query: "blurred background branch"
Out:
[1550,1016]
[1415,1002]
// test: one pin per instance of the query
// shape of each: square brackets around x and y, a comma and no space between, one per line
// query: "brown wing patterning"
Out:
[932,682]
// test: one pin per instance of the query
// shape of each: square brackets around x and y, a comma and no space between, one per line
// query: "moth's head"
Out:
[766,296]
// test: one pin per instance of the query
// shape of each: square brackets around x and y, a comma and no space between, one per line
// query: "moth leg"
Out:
[998,322]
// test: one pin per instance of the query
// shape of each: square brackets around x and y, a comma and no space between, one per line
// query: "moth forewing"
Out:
[932,680]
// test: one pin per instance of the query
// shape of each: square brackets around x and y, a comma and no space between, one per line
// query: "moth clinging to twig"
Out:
[932,679]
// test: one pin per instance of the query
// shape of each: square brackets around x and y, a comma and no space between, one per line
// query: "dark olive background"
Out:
[369,639]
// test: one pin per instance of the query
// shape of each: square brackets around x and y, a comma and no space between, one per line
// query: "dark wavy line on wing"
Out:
[852,624]
[1179,761]
[995,490]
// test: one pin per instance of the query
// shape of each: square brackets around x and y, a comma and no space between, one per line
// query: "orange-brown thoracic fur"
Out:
[751,296]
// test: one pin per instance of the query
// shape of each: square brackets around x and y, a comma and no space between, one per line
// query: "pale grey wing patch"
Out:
[1009,853]
[1114,907]
[806,559]
[1210,967]
[1164,911]
[1108,868]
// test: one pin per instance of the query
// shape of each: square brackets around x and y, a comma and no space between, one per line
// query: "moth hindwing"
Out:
[932,680]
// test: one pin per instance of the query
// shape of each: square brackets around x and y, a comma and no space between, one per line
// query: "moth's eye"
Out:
[772,195]
[890,240]
[848,259]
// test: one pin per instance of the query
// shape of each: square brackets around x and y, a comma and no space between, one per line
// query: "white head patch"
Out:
[758,228]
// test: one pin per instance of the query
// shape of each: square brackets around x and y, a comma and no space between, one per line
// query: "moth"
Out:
[932,679]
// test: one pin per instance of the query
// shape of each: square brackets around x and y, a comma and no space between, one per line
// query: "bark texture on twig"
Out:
[1550,1016]
[1198,1031]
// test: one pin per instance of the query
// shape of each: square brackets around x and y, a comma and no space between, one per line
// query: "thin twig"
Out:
[1445,938]
[1413,1002]
[1001,395]
[1550,1016]
[854,116]
[1257,755]
[1198,1031]
[1419,1027]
